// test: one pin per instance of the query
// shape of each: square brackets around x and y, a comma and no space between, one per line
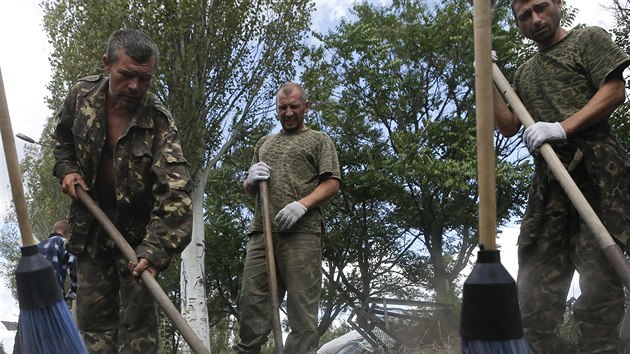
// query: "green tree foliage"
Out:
[394,88]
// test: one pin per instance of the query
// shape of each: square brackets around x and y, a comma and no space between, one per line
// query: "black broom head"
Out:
[490,309]
[37,285]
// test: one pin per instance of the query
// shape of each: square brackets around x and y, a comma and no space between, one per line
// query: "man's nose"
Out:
[133,84]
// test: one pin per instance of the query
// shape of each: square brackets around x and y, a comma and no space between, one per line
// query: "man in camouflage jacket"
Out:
[116,140]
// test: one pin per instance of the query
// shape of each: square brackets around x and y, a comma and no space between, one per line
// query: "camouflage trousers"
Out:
[547,263]
[115,314]
[299,273]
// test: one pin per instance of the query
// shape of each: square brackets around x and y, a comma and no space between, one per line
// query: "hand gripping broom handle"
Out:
[152,285]
[263,187]
[613,252]
[15,178]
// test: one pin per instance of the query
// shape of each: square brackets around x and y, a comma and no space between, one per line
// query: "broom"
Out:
[45,324]
[271,266]
[490,319]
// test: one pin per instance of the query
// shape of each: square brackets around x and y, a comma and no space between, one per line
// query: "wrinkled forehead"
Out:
[294,97]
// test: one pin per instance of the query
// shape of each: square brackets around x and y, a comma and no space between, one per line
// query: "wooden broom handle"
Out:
[486,175]
[149,282]
[263,188]
[15,177]
[612,251]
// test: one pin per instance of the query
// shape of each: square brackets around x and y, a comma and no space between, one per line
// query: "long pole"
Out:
[263,187]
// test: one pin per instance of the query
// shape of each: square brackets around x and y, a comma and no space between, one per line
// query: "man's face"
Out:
[291,109]
[539,20]
[129,81]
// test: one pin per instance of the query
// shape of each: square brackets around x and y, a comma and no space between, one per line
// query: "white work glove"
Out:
[289,215]
[493,55]
[543,132]
[259,171]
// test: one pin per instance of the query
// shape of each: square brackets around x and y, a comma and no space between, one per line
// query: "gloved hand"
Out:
[289,215]
[494,56]
[259,171]
[542,132]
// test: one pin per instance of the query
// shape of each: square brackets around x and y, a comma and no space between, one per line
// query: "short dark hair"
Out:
[288,87]
[514,2]
[134,43]
[61,227]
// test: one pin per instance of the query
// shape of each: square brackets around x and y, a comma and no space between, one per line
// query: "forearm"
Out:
[324,191]
[505,120]
[599,108]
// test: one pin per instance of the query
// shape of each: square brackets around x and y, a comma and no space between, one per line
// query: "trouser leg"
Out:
[138,333]
[600,307]
[300,262]
[254,305]
[97,302]
[544,277]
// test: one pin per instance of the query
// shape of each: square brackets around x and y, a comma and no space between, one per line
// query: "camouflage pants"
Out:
[546,267]
[115,314]
[298,264]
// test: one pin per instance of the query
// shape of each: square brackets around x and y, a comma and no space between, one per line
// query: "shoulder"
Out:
[591,32]
[163,116]
[88,81]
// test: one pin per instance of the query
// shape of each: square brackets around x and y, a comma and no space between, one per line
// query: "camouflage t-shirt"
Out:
[555,84]
[299,162]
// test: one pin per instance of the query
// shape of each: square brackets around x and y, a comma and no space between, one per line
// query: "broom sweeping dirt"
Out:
[490,319]
[45,324]
[152,285]
[611,250]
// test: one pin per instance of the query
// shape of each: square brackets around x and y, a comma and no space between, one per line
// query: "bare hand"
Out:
[143,264]
[69,182]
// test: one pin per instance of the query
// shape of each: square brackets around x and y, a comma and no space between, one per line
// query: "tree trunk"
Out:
[192,280]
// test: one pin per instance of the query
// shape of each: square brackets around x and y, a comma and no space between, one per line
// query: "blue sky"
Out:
[26,72]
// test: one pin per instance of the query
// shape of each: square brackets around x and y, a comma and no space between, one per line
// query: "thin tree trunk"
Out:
[194,304]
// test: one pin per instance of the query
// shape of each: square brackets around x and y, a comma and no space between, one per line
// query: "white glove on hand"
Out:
[543,132]
[259,171]
[289,215]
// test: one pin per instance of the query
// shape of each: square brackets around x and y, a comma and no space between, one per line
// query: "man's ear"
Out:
[105,63]
[307,105]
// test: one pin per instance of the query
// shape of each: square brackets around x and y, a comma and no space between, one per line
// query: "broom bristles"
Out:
[50,330]
[45,325]
[514,346]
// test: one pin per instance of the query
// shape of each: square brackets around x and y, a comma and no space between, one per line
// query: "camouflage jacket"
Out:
[153,184]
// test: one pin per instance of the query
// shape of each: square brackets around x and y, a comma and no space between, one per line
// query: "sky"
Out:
[26,72]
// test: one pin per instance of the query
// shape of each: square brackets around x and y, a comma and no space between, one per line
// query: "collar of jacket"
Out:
[98,96]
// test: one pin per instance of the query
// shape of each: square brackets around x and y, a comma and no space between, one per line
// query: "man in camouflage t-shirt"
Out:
[302,168]
[570,87]
[117,141]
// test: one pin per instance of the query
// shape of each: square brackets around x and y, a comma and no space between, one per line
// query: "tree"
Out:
[394,90]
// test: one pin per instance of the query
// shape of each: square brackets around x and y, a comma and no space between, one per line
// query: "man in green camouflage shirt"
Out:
[302,168]
[570,87]
[116,140]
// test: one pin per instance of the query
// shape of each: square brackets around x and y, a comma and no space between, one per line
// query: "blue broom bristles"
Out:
[45,325]
[515,346]
[50,330]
